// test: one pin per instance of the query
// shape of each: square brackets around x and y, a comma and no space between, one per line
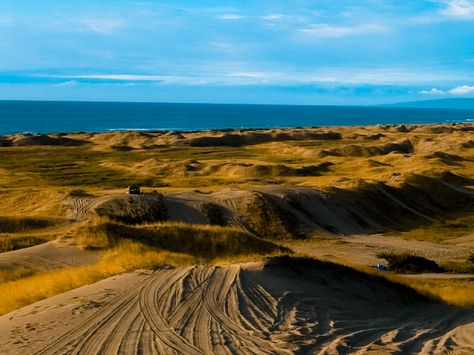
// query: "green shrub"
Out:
[406,263]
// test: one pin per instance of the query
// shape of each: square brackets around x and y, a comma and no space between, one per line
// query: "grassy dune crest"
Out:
[202,241]
[127,256]
[128,248]
[24,224]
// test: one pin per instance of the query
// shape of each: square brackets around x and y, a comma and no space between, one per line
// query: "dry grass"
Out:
[129,248]
[9,242]
[12,274]
[24,224]
[125,257]
[443,230]
[457,292]
[202,241]
[21,289]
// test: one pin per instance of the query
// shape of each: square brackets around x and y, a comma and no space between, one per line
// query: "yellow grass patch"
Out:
[127,256]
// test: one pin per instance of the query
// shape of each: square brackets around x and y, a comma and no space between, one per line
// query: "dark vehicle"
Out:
[134,190]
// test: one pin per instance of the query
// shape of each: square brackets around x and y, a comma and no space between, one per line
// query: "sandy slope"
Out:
[278,308]
[47,256]
[363,249]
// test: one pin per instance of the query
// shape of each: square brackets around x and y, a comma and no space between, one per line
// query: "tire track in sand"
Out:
[229,310]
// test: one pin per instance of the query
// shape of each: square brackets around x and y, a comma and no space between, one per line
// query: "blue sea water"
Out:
[61,116]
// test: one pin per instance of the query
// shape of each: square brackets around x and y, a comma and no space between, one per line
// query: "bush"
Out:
[406,263]
[135,209]
[267,219]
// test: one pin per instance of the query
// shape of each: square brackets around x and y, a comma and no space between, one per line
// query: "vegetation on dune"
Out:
[24,224]
[9,242]
[269,220]
[135,209]
[405,263]
[8,274]
[405,147]
[457,292]
[23,232]
[443,229]
[215,214]
[126,256]
[204,242]
[68,166]
[128,248]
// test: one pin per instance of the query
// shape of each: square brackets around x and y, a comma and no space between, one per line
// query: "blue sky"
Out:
[288,52]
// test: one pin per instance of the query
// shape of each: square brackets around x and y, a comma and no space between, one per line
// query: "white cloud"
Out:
[458,91]
[230,17]
[119,77]
[433,91]
[67,84]
[272,17]
[462,90]
[241,73]
[247,75]
[325,30]
[102,25]
[459,8]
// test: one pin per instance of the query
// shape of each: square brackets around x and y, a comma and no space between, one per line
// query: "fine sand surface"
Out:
[281,307]
[47,256]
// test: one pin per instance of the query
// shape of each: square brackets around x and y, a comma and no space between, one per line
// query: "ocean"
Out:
[63,117]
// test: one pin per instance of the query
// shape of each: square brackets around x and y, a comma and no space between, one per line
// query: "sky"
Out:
[326,52]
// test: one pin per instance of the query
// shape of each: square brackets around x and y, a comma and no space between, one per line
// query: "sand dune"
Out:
[24,140]
[404,147]
[251,138]
[285,306]
[225,138]
[296,211]
[341,194]
[47,256]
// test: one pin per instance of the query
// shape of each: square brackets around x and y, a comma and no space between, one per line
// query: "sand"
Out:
[47,256]
[277,308]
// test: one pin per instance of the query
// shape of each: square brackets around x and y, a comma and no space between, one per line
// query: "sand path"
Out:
[240,309]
